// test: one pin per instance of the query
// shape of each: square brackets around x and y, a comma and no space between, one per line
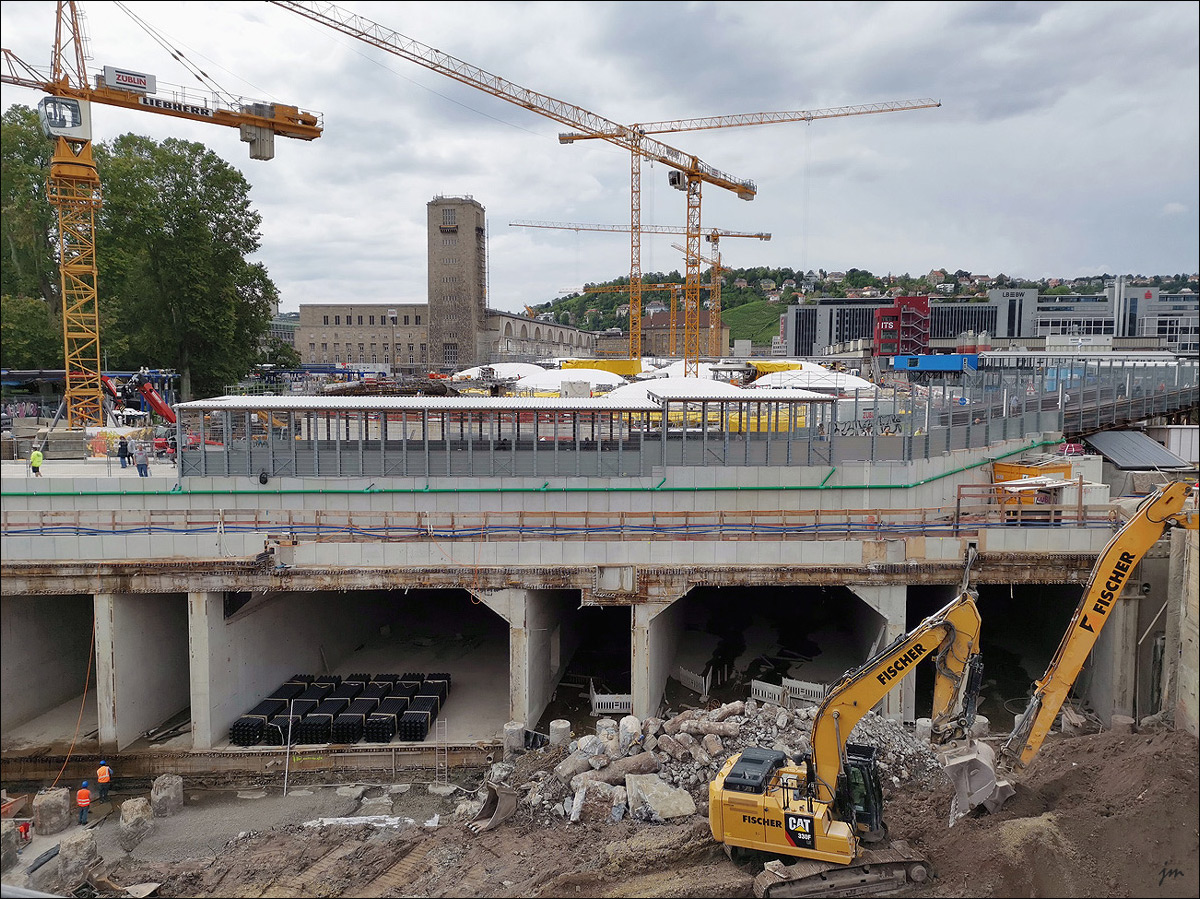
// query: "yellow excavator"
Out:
[822,808]
[1161,510]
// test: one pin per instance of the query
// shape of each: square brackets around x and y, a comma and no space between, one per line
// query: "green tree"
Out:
[27,219]
[279,354]
[29,334]
[858,279]
[176,228]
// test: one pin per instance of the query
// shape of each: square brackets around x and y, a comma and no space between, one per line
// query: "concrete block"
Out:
[52,811]
[137,820]
[166,795]
[17,548]
[514,739]
[653,799]
[113,547]
[77,855]
[354,554]
[549,553]
[9,844]
[1121,724]
[560,732]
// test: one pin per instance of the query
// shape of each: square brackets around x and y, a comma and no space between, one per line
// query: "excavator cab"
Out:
[859,795]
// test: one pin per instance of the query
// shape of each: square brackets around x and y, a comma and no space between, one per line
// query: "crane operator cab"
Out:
[860,793]
[65,117]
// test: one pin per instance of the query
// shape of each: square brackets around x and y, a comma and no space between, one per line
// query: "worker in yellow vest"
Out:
[83,799]
[104,777]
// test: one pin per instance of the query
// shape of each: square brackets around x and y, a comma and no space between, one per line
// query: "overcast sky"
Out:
[1066,143]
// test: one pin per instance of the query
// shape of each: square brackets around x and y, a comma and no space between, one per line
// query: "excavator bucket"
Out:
[972,769]
[498,807]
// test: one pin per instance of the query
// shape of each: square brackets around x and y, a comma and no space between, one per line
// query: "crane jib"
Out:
[176,107]
[1112,588]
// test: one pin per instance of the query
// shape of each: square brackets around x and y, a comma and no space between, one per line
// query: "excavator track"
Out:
[875,871]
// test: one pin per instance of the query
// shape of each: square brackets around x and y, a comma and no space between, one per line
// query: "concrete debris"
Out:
[137,820]
[642,763]
[652,800]
[77,854]
[9,844]
[52,810]
[684,752]
[166,795]
[394,822]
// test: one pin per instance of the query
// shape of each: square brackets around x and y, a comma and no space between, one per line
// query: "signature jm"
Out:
[1166,873]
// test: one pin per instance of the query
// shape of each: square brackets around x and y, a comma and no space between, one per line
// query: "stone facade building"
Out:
[453,330]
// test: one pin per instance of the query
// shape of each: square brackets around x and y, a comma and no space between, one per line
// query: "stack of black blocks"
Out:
[248,730]
[317,725]
[348,727]
[383,723]
[329,708]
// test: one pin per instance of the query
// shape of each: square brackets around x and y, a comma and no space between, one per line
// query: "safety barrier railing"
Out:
[788,693]
[975,509]
[609,703]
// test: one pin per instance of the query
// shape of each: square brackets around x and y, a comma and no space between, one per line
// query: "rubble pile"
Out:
[591,779]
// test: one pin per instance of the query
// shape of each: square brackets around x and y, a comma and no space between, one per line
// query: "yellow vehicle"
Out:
[1158,512]
[822,808]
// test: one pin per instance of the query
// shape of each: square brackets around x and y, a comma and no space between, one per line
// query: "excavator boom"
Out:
[1104,588]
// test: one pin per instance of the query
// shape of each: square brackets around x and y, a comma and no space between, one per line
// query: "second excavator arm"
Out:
[951,635]
[1104,588]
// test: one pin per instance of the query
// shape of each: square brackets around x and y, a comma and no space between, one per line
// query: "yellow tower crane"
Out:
[675,290]
[74,187]
[687,171]
[712,235]
[714,298]
[691,301]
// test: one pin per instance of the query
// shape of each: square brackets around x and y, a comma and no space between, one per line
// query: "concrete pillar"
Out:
[891,602]
[654,640]
[541,641]
[1183,642]
[202,608]
[136,634]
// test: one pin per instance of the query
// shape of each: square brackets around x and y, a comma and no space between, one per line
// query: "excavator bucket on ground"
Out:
[971,766]
[498,807]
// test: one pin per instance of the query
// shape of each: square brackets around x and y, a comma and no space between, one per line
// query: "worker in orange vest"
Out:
[103,776]
[83,799]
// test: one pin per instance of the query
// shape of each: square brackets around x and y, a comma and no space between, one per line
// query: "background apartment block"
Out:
[1168,321]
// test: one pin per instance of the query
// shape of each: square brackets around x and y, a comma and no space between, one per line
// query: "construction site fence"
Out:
[609,703]
[789,694]
[974,511]
[698,684]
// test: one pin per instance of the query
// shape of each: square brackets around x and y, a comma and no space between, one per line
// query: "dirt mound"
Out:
[1100,815]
